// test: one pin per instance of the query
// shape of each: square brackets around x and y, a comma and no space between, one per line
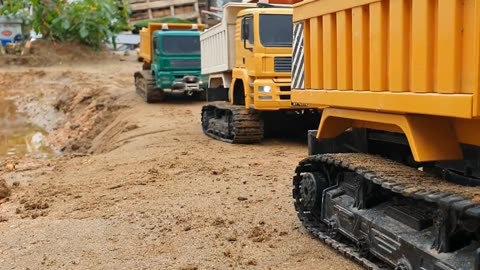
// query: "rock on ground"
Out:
[4,189]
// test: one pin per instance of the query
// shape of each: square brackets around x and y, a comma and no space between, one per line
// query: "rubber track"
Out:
[247,126]
[153,95]
[391,175]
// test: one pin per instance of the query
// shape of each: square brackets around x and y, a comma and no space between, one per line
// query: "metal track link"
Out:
[345,249]
[244,127]
[396,177]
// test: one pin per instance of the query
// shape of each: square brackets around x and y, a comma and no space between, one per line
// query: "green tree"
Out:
[90,22]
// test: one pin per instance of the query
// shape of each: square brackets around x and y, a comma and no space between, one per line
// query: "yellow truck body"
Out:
[392,58]
[399,137]
[146,34]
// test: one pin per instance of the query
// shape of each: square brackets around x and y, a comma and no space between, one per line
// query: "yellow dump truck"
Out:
[171,61]
[247,58]
[393,175]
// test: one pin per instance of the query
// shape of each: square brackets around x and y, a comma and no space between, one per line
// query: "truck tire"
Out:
[153,95]
[146,88]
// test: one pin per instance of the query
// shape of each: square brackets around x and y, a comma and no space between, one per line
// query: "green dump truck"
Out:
[171,62]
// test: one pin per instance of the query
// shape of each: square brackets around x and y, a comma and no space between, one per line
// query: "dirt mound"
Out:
[89,111]
[45,53]
[73,106]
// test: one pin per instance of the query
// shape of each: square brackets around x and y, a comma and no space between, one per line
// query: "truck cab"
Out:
[263,62]
[249,55]
[176,60]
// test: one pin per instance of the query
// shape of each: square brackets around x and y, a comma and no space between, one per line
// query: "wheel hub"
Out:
[308,191]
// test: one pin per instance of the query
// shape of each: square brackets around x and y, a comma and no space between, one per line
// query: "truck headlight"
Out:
[190,79]
[265,89]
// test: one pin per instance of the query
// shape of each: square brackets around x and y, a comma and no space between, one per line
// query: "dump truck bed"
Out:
[419,57]
[218,42]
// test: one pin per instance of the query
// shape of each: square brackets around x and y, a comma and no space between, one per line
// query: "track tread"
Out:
[247,126]
[149,92]
[412,183]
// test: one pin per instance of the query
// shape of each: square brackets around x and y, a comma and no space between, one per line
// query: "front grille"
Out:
[284,89]
[283,64]
[184,63]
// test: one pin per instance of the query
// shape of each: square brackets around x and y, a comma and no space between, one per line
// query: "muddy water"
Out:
[18,137]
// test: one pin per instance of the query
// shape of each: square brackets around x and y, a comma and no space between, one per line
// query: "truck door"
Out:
[246,52]
[156,51]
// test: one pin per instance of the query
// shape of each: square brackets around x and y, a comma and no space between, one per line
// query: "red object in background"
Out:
[7,33]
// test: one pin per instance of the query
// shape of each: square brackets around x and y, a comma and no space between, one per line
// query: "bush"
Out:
[89,22]
[14,8]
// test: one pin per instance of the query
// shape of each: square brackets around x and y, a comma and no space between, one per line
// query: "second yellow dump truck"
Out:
[247,58]
[393,176]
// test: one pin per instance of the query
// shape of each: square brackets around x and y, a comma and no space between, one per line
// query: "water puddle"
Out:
[18,137]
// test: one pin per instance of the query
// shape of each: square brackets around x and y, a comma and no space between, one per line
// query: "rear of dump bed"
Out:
[401,56]
[218,49]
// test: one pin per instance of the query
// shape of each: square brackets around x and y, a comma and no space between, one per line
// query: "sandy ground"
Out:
[143,188]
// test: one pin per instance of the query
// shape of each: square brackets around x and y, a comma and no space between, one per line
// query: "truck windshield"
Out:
[276,30]
[181,45]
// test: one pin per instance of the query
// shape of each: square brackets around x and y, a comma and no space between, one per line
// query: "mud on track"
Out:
[150,191]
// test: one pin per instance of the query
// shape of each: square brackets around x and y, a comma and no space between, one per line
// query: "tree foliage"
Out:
[90,22]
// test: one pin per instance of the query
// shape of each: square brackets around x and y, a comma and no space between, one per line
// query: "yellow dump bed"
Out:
[405,56]
[146,35]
